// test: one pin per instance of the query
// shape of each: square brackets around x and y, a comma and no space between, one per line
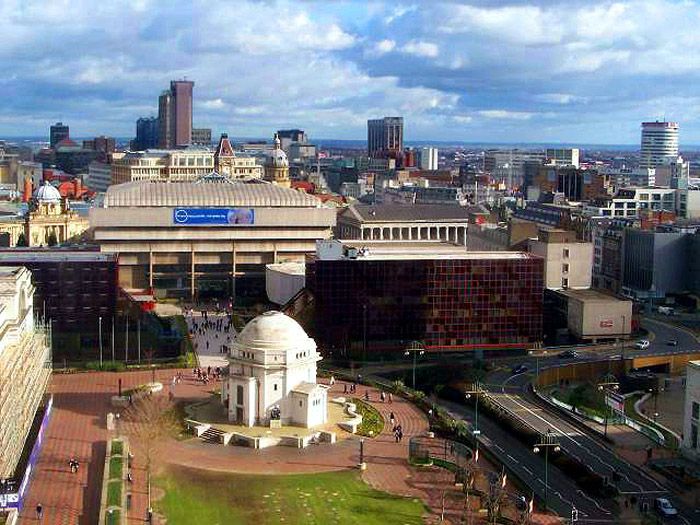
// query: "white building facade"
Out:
[429,158]
[690,445]
[272,375]
[659,143]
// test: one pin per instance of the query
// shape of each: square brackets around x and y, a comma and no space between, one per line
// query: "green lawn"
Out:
[114,493]
[584,396]
[115,467]
[197,496]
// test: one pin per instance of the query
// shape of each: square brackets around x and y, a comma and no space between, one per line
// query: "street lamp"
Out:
[100,335]
[603,387]
[416,348]
[475,391]
[537,361]
[548,441]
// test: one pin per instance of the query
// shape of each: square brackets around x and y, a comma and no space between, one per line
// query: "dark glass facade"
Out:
[450,303]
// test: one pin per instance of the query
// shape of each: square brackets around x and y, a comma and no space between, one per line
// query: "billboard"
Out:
[213,216]
[615,401]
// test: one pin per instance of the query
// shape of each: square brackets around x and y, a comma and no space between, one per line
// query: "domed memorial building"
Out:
[272,375]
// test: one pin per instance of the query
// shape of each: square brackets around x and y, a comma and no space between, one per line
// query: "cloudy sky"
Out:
[494,71]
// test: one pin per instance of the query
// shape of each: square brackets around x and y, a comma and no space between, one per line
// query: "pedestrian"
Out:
[382,396]
[391,398]
[400,433]
[39,511]
[345,388]
[396,435]
[332,381]
[129,477]
[392,420]
[366,395]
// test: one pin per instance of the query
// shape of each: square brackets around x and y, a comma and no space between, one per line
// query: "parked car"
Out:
[643,344]
[664,507]
[568,354]
[520,369]
[672,342]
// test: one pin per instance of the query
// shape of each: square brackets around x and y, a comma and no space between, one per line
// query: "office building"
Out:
[165,117]
[509,166]
[385,137]
[629,202]
[99,176]
[567,261]
[73,287]
[575,184]
[163,165]
[72,158]
[146,134]
[690,446]
[181,119]
[58,132]
[191,239]
[104,146]
[201,136]
[563,156]
[428,159]
[291,136]
[383,296]
[659,143]
[25,370]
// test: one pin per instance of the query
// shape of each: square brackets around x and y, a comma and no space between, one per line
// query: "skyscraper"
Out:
[175,115]
[181,120]
[385,137]
[165,104]
[146,133]
[58,132]
[659,143]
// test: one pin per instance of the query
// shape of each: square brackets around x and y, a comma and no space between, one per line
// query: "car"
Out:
[643,344]
[520,369]
[568,354]
[665,508]
[672,342]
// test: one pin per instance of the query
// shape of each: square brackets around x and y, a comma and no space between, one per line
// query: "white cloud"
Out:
[462,119]
[559,98]
[215,103]
[503,114]
[421,48]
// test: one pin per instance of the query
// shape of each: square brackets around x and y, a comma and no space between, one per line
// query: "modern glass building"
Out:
[447,299]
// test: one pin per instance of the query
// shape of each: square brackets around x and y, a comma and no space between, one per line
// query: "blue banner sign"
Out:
[213,216]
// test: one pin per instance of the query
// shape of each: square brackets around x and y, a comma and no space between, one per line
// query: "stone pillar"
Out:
[150,269]
[192,279]
[410,233]
[464,232]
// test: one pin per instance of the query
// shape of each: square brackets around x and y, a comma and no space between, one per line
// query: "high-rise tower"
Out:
[385,137]
[175,115]
[659,143]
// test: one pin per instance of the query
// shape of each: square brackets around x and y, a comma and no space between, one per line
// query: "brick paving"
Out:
[78,428]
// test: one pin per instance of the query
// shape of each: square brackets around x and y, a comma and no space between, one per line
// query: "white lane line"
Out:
[583,494]
[513,459]
[528,470]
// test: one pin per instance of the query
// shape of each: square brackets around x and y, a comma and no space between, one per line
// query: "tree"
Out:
[152,422]
[22,240]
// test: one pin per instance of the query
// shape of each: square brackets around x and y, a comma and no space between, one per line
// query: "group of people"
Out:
[73,464]
[203,375]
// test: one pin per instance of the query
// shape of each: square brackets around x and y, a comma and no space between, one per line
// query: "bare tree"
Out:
[153,421]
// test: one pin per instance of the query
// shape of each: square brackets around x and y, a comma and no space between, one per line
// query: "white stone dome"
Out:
[47,193]
[273,331]
[278,159]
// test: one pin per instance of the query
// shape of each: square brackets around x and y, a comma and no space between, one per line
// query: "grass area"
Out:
[117,447]
[113,518]
[116,465]
[585,397]
[114,493]
[372,421]
[197,496]
[670,440]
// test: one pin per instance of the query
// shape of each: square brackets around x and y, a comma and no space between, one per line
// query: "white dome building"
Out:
[272,375]
[277,166]
[47,194]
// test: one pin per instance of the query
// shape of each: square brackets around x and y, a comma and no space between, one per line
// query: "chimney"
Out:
[27,189]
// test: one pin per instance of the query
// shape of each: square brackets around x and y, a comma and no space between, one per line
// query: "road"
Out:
[511,392]
[530,467]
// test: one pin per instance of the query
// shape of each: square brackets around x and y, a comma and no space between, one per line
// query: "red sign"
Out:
[606,323]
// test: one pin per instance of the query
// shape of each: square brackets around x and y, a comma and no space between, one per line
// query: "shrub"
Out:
[372,421]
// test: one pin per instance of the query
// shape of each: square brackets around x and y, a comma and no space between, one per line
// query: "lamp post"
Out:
[416,348]
[475,391]
[548,441]
[100,336]
[362,465]
[603,387]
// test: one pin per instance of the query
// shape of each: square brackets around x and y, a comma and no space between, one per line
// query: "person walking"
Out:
[392,420]
[39,511]
[391,398]
[382,396]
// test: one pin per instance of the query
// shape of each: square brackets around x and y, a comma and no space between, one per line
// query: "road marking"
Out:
[513,459]
[528,470]
[582,493]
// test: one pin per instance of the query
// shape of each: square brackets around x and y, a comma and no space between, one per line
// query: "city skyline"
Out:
[471,72]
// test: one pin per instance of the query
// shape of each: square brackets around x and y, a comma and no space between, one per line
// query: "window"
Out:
[565,267]
[693,435]
[239,395]
[566,253]
[275,387]
[696,410]
[301,403]
[565,283]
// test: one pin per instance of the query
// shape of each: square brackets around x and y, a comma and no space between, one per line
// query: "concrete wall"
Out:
[597,318]
[692,395]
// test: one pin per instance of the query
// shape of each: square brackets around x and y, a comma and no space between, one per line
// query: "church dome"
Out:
[278,159]
[47,193]
[273,331]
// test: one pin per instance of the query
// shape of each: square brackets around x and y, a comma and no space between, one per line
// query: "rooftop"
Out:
[413,213]
[225,194]
[19,256]
[375,251]
[590,295]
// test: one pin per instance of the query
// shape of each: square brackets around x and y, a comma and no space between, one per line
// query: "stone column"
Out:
[150,268]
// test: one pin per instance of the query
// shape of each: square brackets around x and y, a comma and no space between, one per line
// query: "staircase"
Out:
[212,435]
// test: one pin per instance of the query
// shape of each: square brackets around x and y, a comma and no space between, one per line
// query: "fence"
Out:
[424,449]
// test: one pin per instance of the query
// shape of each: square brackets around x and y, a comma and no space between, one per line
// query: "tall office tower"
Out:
[291,136]
[428,158]
[659,143]
[58,132]
[146,133]
[181,118]
[385,137]
[165,104]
